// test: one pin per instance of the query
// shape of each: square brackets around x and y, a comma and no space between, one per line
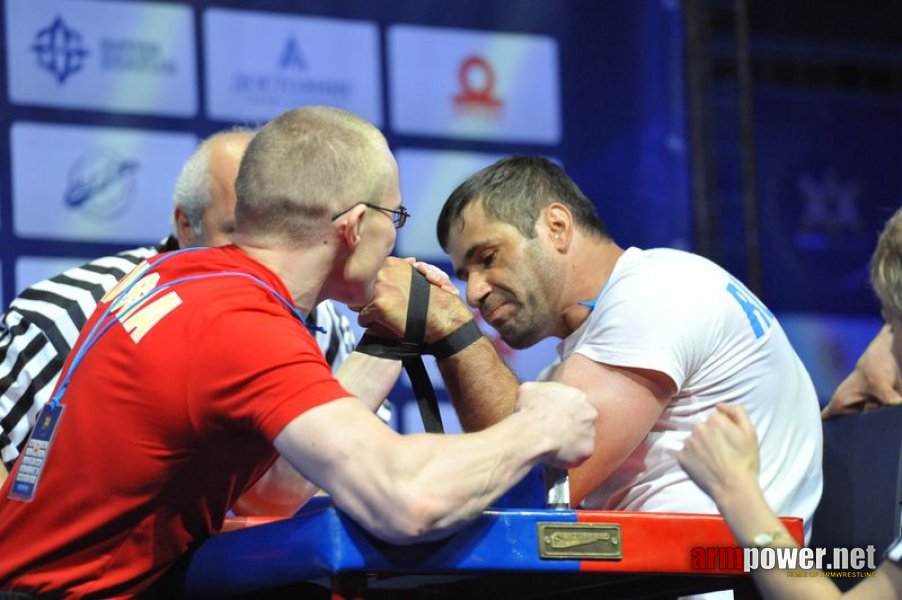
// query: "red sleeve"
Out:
[257,369]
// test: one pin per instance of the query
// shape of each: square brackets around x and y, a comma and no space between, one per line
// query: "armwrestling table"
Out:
[506,553]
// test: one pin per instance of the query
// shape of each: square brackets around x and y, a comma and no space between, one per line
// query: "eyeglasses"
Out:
[398,216]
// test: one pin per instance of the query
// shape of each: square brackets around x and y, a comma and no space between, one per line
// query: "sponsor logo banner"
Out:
[111,56]
[427,179]
[474,85]
[94,183]
[260,65]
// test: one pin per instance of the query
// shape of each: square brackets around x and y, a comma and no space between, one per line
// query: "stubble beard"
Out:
[529,325]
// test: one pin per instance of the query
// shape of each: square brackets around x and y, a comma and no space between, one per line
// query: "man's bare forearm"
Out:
[462,475]
[369,378]
[482,388]
[419,487]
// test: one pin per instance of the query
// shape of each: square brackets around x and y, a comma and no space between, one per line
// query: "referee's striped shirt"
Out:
[42,324]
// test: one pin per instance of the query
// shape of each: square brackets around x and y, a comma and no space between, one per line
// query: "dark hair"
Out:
[515,190]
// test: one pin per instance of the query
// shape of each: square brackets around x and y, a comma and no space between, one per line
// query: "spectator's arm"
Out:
[722,458]
[875,380]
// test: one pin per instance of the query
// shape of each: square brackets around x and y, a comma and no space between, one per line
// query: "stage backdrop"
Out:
[105,99]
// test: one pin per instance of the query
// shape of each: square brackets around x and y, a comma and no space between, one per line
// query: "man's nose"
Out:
[477,289]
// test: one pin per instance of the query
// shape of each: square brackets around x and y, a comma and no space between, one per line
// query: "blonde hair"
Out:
[886,265]
[303,167]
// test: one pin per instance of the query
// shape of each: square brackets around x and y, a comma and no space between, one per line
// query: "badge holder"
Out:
[29,469]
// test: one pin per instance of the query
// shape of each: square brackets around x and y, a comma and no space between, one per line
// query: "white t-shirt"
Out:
[682,315]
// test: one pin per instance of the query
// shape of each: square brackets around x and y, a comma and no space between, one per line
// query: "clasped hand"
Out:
[386,313]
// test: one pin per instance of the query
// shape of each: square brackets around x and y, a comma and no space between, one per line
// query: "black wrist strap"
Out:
[414,332]
[409,351]
[387,348]
[425,394]
[455,341]
[414,328]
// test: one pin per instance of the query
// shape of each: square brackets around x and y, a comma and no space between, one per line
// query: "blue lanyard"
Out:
[102,324]
[590,304]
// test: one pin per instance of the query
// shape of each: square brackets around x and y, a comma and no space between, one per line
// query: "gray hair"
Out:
[193,187]
[304,166]
[886,265]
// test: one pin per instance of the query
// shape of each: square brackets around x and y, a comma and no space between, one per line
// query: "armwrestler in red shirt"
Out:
[197,371]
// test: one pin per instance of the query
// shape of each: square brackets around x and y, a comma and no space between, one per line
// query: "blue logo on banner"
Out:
[291,56]
[101,183]
[831,215]
[286,86]
[59,50]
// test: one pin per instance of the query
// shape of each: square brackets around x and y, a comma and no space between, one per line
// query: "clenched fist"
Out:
[567,418]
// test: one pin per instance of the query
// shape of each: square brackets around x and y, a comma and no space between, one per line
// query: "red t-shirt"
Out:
[168,419]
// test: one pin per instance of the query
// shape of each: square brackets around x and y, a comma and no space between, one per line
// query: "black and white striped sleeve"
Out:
[37,333]
[28,372]
[338,340]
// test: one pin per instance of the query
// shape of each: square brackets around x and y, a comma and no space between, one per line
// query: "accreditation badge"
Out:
[31,464]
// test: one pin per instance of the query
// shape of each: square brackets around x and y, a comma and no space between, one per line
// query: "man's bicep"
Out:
[628,401]
[343,448]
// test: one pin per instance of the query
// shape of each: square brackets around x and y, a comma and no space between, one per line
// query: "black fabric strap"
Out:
[414,333]
[387,348]
[409,351]
[414,329]
[417,308]
[425,394]
[455,341]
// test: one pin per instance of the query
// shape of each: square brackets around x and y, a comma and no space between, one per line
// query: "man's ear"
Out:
[182,228]
[348,226]
[559,221]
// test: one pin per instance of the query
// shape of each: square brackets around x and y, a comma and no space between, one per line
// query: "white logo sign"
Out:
[806,559]
[474,85]
[259,65]
[427,179]
[102,55]
[102,183]
[94,183]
